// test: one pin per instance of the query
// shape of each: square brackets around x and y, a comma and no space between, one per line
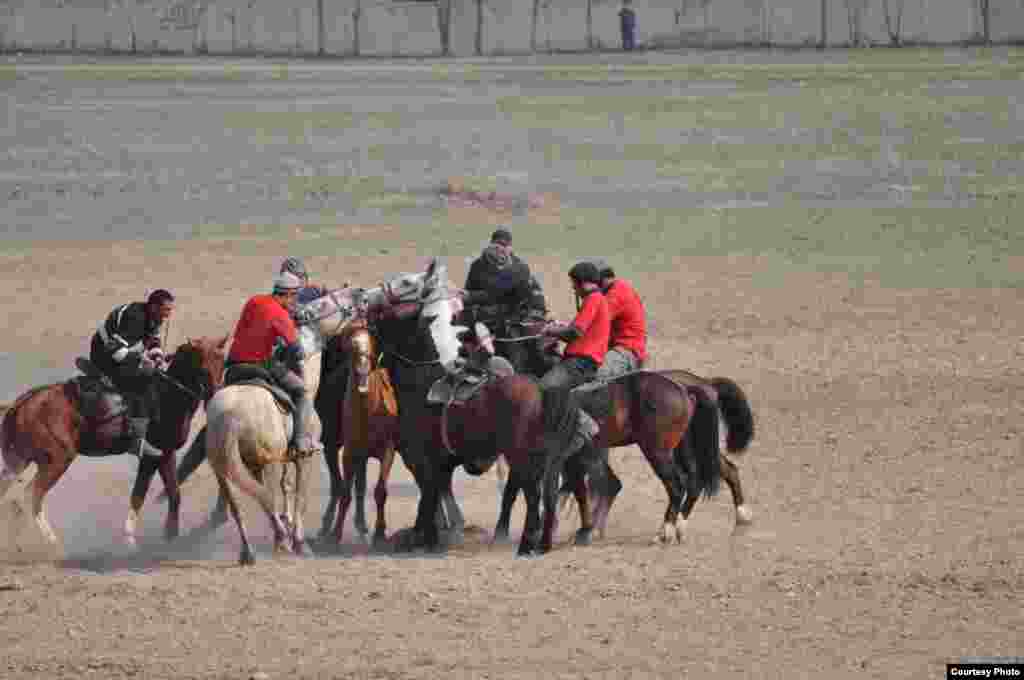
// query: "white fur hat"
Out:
[286,282]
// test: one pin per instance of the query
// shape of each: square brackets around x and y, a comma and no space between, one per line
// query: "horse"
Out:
[412,316]
[53,424]
[247,430]
[368,427]
[511,416]
[738,421]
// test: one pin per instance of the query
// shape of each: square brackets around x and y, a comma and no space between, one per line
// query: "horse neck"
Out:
[311,372]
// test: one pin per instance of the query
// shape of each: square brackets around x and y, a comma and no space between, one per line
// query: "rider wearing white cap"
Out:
[266,336]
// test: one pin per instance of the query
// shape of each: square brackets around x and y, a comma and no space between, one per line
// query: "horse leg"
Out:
[576,474]
[331,457]
[508,499]
[661,460]
[172,525]
[605,501]
[456,524]
[549,489]
[731,475]
[529,543]
[380,495]
[360,486]
[46,476]
[147,468]
[9,475]
[344,492]
[303,476]
[246,556]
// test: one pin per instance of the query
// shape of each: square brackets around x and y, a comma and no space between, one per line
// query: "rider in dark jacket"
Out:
[501,292]
[127,349]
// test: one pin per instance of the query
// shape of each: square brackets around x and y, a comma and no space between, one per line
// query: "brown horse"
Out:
[511,416]
[738,419]
[368,427]
[52,424]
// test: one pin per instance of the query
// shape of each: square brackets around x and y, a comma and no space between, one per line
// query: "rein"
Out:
[174,383]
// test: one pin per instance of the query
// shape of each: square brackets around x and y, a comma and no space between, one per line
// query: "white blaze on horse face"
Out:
[361,360]
[446,336]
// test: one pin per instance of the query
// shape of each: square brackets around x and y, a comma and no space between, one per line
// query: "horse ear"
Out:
[432,267]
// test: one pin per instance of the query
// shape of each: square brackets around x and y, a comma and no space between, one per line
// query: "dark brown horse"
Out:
[511,416]
[368,428]
[52,424]
[675,426]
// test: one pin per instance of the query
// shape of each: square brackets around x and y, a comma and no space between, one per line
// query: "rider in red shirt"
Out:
[266,336]
[586,337]
[587,344]
[627,345]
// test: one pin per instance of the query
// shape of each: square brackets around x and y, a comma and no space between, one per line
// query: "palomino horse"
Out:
[46,426]
[246,431]
[368,427]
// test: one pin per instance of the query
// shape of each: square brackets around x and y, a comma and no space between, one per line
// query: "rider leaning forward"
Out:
[127,349]
[266,336]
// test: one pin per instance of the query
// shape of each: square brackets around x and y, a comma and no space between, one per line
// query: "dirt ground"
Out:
[885,478]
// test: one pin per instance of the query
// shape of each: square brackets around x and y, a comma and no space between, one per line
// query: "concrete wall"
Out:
[388,27]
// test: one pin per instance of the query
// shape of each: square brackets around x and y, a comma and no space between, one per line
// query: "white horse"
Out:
[246,431]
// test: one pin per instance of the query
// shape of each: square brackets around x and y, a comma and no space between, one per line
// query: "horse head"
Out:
[361,347]
[426,300]
[326,317]
[198,365]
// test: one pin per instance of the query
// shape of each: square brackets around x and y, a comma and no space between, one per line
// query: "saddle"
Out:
[248,374]
[464,381]
[103,407]
[458,387]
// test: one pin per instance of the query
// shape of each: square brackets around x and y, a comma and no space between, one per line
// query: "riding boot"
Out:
[137,444]
[302,443]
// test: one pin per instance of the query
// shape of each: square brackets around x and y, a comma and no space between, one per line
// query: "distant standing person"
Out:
[627,23]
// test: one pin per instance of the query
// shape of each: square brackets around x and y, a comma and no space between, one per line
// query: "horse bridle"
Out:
[198,396]
[343,311]
[394,300]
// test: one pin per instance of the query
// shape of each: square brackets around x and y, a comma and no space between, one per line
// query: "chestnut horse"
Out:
[47,426]
[367,427]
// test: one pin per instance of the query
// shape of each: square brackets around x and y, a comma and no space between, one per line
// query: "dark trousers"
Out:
[138,389]
[568,373]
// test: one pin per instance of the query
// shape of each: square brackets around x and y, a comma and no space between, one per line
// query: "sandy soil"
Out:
[885,479]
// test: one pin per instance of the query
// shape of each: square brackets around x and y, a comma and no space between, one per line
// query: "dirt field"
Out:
[885,478]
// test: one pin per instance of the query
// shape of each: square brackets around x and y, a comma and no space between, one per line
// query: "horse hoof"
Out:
[501,536]
[300,549]
[246,559]
[744,515]
[584,536]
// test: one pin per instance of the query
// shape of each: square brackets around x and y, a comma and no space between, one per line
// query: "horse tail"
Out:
[701,442]
[9,429]
[7,434]
[739,418]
